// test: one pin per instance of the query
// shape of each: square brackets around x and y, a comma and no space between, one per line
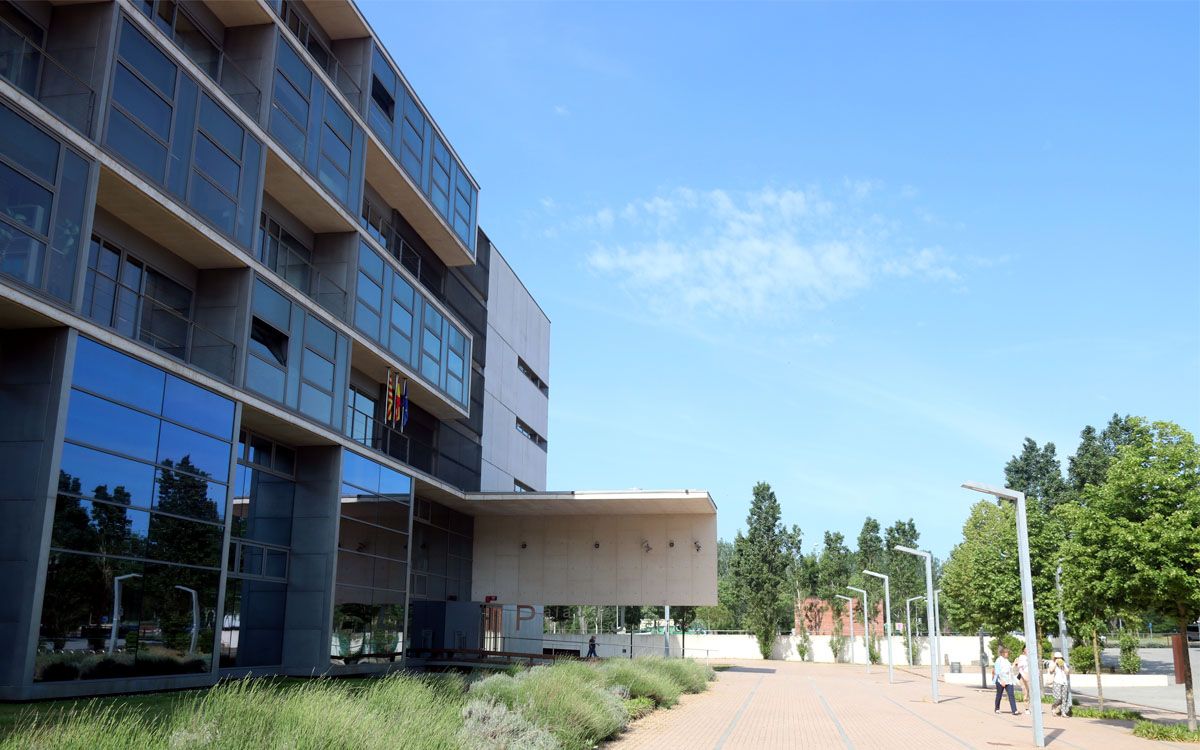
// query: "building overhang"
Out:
[590,503]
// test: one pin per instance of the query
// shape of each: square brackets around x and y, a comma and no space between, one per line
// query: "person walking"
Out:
[1002,676]
[591,654]
[1059,681]
[1022,668]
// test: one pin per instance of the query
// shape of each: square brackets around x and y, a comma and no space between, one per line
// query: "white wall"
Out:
[561,563]
[516,327]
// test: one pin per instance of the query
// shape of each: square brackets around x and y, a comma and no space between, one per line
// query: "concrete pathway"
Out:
[759,705]
[1169,698]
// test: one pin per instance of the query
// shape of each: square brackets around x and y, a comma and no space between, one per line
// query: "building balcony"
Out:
[33,70]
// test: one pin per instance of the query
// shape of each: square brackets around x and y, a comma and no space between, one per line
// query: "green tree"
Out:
[760,567]
[1135,539]
[907,572]
[980,581]
[1037,473]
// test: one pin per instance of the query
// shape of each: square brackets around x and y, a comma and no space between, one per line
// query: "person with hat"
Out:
[1059,679]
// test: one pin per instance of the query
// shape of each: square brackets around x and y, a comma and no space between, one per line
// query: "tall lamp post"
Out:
[1062,631]
[908,624]
[933,657]
[195,616]
[112,642]
[851,600]
[866,625]
[1035,679]
[937,621]
[887,611]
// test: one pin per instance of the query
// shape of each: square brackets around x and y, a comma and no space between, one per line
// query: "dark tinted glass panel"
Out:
[268,342]
[27,145]
[332,178]
[212,204]
[68,220]
[136,145]
[315,403]
[339,121]
[369,292]
[184,132]
[263,378]
[186,495]
[21,256]
[147,59]
[369,262]
[107,425]
[291,101]
[290,63]
[318,369]
[262,509]
[319,336]
[271,306]
[24,201]
[139,100]
[260,450]
[118,376]
[190,451]
[167,627]
[198,407]
[366,319]
[221,126]
[285,459]
[223,170]
[276,564]
[105,476]
[252,631]
[106,528]
[188,542]
[287,133]
[197,46]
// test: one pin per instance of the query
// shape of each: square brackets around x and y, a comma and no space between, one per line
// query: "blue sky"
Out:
[858,251]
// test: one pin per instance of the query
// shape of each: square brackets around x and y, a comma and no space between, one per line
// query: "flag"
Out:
[403,405]
[388,411]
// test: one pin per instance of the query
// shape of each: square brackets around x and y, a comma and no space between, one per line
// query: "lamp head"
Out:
[1000,493]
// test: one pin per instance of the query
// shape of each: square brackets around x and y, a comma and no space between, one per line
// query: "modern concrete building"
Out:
[225,228]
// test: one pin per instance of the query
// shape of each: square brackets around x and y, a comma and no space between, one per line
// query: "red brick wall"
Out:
[817,611]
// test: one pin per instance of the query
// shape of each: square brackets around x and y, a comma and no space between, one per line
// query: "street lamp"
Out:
[195,616]
[112,642]
[1035,682]
[908,624]
[851,600]
[887,611]
[866,624]
[933,657]
[937,621]
[1062,631]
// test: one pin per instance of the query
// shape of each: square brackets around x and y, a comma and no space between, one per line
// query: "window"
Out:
[268,342]
[42,195]
[266,367]
[531,434]
[528,372]
[284,254]
[519,486]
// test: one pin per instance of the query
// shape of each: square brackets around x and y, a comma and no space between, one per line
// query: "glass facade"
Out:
[138,523]
[442,539]
[372,565]
[317,131]
[387,310]
[408,133]
[164,126]
[43,206]
[260,539]
[295,358]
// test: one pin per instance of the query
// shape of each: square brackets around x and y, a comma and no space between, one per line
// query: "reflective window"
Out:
[139,100]
[107,425]
[118,376]
[252,628]
[197,407]
[110,528]
[27,146]
[262,506]
[145,58]
[104,476]
[189,451]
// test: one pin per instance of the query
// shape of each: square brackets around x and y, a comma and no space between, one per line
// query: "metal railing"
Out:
[30,68]
[158,325]
[385,234]
[300,273]
[235,82]
[370,432]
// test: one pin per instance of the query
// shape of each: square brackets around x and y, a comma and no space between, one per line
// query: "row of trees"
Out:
[765,574]
[1123,524]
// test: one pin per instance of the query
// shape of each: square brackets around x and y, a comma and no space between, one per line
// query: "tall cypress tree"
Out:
[760,566]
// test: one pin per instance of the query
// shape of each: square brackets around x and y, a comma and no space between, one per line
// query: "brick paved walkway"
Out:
[760,705]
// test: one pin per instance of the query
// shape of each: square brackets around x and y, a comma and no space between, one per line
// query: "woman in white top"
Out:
[1059,680]
[1002,675]
[1022,668]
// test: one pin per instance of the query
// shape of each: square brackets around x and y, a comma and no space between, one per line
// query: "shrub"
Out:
[1083,661]
[56,669]
[872,650]
[93,727]
[493,726]
[1130,662]
[1114,714]
[569,699]
[1152,730]
[1016,644]
[804,645]
[691,676]
[108,667]
[642,680]
[638,707]
[914,652]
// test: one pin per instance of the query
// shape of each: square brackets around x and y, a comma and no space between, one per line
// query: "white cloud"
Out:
[764,253]
[561,110]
